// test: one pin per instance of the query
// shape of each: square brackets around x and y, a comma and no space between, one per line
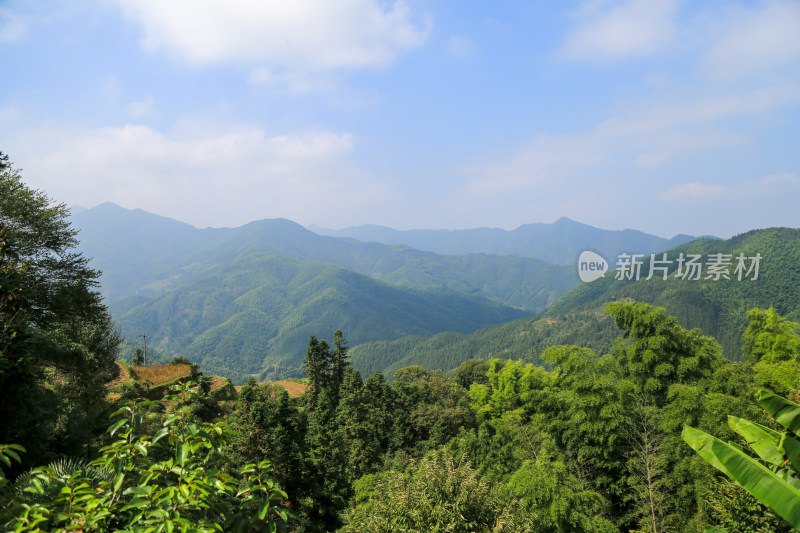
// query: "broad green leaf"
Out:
[182,453]
[118,424]
[118,481]
[179,470]
[159,434]
[762,440]
[753,476]
[12,454]
[119,412]
[790,446]
[262,513]
[785,412]
[136,503]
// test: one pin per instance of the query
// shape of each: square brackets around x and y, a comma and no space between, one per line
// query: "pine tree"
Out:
[367,416]
[327,463]
[266,427]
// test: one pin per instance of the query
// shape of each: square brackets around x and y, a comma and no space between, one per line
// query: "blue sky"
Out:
[661,115]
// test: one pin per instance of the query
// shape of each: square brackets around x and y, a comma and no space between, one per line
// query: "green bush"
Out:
[127,489]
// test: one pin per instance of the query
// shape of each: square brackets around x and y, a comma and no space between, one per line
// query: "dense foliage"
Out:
[254,315]
[772,476]
[591,439]
[57,340]
[592,445]
[717,307]
[177,478]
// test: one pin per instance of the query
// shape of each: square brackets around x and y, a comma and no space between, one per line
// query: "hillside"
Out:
[134,248]
[145,255]
[244,300]
[523,339]
[716,307]
[558,243]
[254,316]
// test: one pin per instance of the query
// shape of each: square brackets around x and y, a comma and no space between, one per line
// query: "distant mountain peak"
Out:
[567,220]
[108,205]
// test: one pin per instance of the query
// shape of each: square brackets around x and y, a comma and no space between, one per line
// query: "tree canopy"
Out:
[57,339]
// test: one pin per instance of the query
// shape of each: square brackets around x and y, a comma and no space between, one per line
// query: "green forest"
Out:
[242,301]
[718,307]
[654,428]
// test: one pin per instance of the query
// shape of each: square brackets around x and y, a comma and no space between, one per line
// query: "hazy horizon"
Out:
[664,116]
[311,227]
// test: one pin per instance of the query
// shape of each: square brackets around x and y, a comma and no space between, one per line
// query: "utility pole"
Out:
[145,336]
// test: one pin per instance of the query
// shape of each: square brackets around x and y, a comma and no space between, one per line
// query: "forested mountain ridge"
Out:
[558,243]
[242,300]
[147,255]
[254,315]
[524,339]
[718,307]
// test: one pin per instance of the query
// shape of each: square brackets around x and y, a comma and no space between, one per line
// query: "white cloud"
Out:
[784,178]
[12,27]
[198,171]
[753,40]
[693,191]
[316,35]
[615,30]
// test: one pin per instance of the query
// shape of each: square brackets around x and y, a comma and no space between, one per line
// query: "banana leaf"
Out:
[785,412]
[762,440]
[754,477]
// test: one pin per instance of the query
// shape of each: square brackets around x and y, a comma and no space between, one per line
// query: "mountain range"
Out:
[717,306]
[558,243]
[244,300]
